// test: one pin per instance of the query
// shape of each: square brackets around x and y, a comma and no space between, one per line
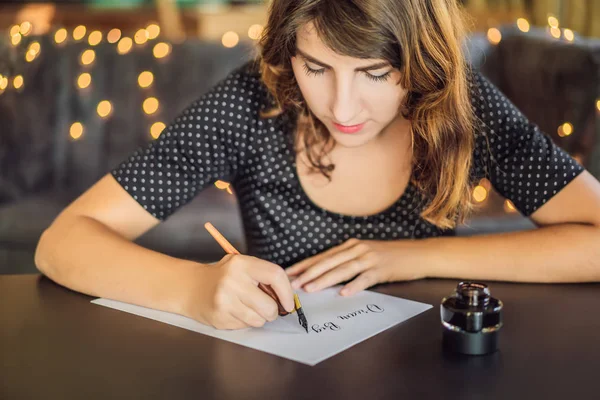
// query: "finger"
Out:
[257,300]
[307,262]
[271,274]
[326,265]
[229,322]
[342,273]
[246,315]
[361,282]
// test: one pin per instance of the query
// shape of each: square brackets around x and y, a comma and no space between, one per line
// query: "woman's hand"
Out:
[369,262]
[226,294]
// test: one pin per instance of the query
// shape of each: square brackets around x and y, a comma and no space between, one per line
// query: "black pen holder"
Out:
[471,320]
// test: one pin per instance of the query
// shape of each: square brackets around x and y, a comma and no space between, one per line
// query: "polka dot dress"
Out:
[221,137]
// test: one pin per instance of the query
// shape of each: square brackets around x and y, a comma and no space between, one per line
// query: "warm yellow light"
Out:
[480,193]
[578,158]
[124,45]
[114,35]
[494,35]
[569,35]
[221,184]
[84,80]
[104,108]
[485,183]
[145,79]
[14,30]
[553,21]
[30,55]
[230,39]
[79,32]
[156,129]
[141,36]
[18,82]
[35,48]
[555,32]
[565,129]
[161,50]
[15,39]
[523,25]
[88,57]
[153,31]
[95,38]
[255,31]
[76,130]
[598,105]
[509,207]
[25,28]
[60,35]
[229,190]
[150,105]
[3,82]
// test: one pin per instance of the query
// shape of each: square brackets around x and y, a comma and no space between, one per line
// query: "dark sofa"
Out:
[42,169]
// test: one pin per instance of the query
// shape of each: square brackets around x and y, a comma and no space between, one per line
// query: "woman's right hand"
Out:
[226,294]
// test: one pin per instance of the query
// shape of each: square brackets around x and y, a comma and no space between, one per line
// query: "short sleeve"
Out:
[205,143]
[523,163]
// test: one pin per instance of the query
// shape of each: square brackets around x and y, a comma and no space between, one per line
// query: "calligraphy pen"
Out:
[228,247]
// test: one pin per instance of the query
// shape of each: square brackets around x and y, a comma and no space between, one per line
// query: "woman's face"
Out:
[356,99]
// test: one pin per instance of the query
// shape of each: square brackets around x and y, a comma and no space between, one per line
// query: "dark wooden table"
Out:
[54,344]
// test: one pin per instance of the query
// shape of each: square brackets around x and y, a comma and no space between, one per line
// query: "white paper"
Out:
[335,323]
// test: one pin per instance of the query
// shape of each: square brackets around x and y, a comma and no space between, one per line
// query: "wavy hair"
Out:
[423,40]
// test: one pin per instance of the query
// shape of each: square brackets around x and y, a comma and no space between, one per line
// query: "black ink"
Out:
[327,325]
[370,308]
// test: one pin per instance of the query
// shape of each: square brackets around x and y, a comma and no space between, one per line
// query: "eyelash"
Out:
[309,71]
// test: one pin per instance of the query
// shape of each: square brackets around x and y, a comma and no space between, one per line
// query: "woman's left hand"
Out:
[369,262]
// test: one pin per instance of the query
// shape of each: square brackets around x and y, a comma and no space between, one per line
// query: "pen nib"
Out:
[302,319]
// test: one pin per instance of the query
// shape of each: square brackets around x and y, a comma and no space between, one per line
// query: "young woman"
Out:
[358,129]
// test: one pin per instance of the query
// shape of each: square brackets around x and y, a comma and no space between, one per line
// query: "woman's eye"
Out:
[376,78]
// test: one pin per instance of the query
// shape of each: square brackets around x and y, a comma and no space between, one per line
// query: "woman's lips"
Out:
[349,128]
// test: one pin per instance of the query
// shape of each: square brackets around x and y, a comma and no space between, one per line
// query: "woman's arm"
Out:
[566,248]
[88,249]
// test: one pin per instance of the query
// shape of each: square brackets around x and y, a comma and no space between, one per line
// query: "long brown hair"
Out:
[422,39]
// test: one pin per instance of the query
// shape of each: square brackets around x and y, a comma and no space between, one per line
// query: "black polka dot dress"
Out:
[221,137]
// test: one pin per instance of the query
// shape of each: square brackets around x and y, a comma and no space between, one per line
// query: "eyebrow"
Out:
[362,69]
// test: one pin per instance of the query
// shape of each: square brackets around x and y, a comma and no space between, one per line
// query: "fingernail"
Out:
[344,292]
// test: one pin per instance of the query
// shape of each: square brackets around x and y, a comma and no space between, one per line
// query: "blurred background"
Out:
[84,83]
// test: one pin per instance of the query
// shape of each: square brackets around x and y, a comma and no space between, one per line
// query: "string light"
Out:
[18,82]
[150,105]
[509,207]
[79,32]
[25,28]
[76,130]
[124,45]
[145,79]
[598,104]
[35,47]
[523,25]
[153,31]
[552,21]
[141,36]
[255,31]
[104,108]
[156,129]
[88,57]
[60,35]
[84,80]
[569,35]
[224,186]
[480,193]
[3,82]
[565,129]
[494,35]
[15,39]
[230,39]
[555,32]
[14,30]
[95,38]
[114,35]
[161,50]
